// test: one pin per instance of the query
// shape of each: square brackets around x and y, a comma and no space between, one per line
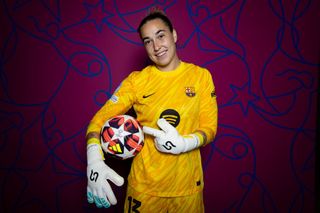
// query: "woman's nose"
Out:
[156,45]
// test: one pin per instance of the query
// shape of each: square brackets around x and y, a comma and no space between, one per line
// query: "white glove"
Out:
[99,190]
[168,139]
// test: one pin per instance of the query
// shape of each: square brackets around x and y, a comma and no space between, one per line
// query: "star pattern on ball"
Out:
[120,133]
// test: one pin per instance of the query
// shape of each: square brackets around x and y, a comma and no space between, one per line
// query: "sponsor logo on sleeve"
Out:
[115,98]
[213,94]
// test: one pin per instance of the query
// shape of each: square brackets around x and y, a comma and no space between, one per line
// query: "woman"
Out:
[175,102]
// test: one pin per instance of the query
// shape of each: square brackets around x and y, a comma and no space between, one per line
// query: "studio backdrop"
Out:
[60,61]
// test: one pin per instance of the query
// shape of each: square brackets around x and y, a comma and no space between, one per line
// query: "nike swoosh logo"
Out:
[146,96]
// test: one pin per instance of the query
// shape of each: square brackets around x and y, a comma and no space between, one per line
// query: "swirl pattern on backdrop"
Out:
[61,60]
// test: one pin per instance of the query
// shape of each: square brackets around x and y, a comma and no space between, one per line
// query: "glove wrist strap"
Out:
[192,142]
[94,151]
[201,137]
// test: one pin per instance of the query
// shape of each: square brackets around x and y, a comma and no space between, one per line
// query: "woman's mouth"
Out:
[160,54]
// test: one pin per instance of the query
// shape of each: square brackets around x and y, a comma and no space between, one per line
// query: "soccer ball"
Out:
[122,137]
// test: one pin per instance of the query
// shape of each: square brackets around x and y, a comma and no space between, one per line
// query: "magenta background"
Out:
[61,60]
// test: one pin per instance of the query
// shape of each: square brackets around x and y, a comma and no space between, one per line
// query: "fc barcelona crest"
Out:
[190,91]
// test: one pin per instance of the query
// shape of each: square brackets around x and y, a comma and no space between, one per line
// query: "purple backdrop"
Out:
[61,60]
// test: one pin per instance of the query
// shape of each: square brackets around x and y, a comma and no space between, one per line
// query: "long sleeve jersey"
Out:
[186,98]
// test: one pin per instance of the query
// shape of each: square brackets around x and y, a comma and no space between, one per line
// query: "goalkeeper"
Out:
[175,102]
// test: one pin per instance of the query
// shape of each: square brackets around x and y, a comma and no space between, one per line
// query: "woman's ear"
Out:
[175,36]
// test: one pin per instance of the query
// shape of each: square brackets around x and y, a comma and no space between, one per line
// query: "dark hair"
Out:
[155,14]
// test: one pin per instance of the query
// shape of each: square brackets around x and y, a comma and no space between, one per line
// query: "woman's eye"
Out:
[147,42]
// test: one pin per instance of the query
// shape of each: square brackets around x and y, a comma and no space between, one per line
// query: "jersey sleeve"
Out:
[119,103]
[208,109]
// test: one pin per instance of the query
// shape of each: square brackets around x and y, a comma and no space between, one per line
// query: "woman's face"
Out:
[160,44]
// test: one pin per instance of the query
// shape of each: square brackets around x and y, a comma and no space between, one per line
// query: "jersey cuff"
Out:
[202,137]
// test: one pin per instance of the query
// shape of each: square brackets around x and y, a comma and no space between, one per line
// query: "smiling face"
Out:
[160,44]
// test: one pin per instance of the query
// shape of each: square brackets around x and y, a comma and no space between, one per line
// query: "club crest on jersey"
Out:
[190,91]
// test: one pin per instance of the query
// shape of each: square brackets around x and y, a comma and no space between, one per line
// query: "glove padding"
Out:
[168,139]
[99,190]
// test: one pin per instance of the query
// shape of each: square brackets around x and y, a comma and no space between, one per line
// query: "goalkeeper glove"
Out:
[168,139]
[99,190]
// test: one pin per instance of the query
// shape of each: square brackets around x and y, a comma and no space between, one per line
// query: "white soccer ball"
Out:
[122,137]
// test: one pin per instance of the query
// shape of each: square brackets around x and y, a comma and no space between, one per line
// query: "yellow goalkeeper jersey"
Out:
[186,98]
